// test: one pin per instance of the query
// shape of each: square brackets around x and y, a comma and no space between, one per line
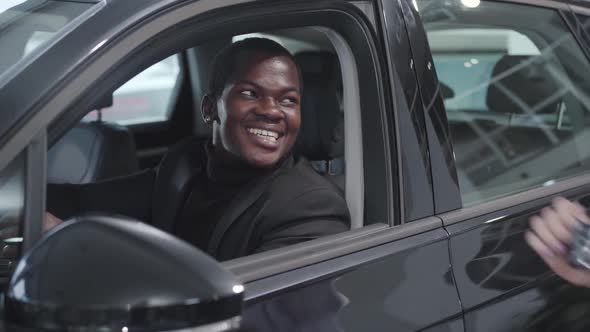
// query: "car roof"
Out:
[29,80]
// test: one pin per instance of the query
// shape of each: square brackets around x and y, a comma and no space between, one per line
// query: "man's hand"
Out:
[50,221]
[11,228]
[551,234]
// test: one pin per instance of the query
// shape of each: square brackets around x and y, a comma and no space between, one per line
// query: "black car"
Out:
[450,123]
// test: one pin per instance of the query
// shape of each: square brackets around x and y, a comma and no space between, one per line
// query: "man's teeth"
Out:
[267,134]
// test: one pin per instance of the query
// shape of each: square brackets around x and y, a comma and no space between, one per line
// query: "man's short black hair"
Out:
[224,64]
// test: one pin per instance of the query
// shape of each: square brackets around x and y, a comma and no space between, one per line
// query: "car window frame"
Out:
[354,141]
[13,70]
[411,141]
[35,190]
[574,23]
[34,162]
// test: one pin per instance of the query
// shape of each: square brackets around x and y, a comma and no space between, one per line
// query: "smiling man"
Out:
[255,96]
[246,191]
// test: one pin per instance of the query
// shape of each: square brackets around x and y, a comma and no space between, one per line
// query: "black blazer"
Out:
[290,205]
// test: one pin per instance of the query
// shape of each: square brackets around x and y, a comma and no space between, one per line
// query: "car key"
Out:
[579,253]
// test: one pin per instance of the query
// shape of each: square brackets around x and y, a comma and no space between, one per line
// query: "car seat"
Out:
[321,136]
[92,152]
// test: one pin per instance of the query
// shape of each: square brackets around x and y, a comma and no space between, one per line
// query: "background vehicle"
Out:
[440,176]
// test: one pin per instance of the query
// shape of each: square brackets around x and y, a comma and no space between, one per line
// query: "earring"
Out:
[207,119]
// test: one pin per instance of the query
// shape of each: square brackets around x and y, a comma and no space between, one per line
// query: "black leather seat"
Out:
[519,122]
[321,137]
[92,152]
[523,85]
[176,176]
[526,92]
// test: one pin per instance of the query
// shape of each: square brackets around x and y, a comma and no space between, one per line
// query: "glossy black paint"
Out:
[405,285]
[503,284]
[444,173]
[412,141]
[106,272]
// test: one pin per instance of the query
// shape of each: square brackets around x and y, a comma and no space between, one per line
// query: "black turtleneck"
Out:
[215,188]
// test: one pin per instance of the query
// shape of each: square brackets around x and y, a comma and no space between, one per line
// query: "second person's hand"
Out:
[551,235]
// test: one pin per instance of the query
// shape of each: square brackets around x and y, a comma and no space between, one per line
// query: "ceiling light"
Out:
[470,3]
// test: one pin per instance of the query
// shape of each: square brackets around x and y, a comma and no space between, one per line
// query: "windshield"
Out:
[27,25]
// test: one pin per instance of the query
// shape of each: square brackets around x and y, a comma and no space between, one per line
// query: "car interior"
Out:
[131,130]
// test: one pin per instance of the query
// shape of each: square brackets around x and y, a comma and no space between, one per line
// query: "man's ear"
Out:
[209,109]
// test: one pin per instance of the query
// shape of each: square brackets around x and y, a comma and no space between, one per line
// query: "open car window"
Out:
[99,149]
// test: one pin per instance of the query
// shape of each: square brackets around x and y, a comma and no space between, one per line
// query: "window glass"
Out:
[515,86]
[467,70]
[146,98]
[12,202]
[25,25]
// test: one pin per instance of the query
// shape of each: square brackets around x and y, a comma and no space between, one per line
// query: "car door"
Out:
[392,271]
[515,109]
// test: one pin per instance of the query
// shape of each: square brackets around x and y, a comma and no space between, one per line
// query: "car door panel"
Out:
[548,305]
[503,284]
[404,285]
[494,258]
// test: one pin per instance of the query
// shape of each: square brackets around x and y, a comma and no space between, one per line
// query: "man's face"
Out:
[259,110]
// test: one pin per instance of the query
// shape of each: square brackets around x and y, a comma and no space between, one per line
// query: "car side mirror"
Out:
[101,273]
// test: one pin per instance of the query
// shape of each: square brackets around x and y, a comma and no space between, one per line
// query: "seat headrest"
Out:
[92,152]
[524,82]
[321,136]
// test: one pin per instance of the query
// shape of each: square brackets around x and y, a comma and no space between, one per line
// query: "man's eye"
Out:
[289,100]
[248,93]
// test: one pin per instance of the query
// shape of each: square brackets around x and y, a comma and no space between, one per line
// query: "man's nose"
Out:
[270,109]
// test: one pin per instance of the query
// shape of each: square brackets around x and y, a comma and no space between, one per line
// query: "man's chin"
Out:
[260,161]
